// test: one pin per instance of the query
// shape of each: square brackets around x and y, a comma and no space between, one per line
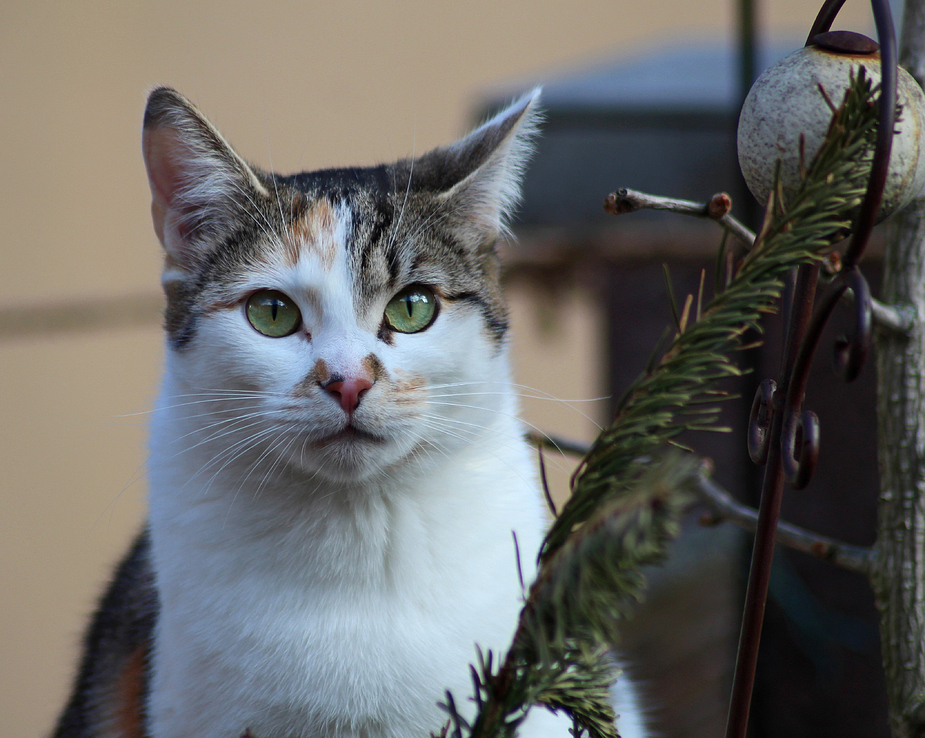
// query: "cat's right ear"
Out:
[199,185]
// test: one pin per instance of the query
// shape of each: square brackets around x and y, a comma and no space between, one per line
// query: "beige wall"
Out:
[294,85]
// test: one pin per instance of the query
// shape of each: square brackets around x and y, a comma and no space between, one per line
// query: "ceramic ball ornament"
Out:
[786,102]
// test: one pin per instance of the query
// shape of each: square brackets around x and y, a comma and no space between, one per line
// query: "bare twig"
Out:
[555,443]
[544,481]
[725,508]
[629,201]
[893,318]
[896,319]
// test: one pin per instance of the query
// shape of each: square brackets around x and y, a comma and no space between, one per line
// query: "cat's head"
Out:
[340,320]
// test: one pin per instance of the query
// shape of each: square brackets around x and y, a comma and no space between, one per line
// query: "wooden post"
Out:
[899,567]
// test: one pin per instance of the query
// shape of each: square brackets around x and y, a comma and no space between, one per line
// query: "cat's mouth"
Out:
[349,434]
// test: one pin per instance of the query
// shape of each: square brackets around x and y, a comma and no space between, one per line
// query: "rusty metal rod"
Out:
[787,400]
[759,577]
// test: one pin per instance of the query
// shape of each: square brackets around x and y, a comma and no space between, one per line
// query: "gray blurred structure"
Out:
[663,122]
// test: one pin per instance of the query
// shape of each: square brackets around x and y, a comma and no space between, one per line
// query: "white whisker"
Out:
[401,212]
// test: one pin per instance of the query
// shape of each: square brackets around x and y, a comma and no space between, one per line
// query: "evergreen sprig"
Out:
[679,391]
[627,495]
[560,653]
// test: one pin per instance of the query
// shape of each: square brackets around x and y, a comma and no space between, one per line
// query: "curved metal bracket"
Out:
[782,435]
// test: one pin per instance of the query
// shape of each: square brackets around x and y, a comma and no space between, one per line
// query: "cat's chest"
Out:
[297,619]
[319,663]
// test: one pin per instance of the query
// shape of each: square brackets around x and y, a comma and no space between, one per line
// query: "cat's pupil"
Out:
[409,305]
[274,309]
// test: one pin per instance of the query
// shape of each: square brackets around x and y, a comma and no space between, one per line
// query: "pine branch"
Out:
[679,391]
[559,656]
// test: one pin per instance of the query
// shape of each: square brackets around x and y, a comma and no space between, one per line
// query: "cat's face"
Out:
[341,321]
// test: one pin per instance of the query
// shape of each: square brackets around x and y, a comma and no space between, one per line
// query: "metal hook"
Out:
[800,447]
[759,421]
[851,351]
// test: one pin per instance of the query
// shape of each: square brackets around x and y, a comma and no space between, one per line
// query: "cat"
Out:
[336,465]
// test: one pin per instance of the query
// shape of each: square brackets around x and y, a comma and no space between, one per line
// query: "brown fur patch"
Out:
[313,230]
[318,376]
[320,371]
[374,367]
[130,696]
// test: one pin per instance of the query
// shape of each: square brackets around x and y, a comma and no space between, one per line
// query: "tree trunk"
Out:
[899,575]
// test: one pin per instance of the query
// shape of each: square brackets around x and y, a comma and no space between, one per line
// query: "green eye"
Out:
[411,310]
[273,314]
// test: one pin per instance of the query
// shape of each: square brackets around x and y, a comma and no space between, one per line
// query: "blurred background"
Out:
[639,95]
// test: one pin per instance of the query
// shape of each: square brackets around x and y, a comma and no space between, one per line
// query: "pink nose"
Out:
[348,392]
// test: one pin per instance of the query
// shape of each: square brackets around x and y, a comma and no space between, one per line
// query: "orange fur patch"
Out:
[313,231]
[218,305]
[130,695]
[409,389]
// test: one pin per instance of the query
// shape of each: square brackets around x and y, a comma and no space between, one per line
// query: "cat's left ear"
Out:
[481,174]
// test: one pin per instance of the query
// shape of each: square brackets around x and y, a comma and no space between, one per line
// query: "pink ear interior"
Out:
[159,148]
[164,154]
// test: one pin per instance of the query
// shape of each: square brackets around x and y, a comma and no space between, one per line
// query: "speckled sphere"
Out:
[785,102]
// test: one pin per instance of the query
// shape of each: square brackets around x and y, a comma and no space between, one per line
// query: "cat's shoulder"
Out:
[113,679]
